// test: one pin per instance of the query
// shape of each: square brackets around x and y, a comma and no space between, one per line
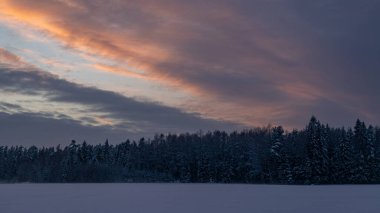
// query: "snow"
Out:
[187,198]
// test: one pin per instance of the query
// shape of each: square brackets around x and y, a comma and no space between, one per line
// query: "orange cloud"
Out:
[236,59]
[118,70]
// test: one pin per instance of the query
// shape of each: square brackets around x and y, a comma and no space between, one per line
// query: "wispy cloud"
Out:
[275,61]
[110,111]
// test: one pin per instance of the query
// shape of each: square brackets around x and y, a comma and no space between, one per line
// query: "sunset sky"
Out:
[95,69]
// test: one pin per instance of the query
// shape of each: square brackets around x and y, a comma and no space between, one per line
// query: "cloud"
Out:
[272,60]
[8,58]
[115,113]
[39,129]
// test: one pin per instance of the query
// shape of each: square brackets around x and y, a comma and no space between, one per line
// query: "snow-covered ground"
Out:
[187,198]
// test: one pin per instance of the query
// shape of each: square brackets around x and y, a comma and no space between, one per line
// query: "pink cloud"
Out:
[259,58]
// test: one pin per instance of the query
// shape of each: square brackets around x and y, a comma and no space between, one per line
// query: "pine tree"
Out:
[316,155]
[377,154]
[276,154]
[345,158]
[317,151]
[360,147]
[370,161]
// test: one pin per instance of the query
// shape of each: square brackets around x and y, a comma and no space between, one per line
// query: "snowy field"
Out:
[187,198]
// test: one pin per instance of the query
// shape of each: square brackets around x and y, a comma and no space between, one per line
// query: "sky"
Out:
[94,70]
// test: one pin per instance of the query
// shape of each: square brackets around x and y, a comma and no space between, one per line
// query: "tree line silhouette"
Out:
[317,154]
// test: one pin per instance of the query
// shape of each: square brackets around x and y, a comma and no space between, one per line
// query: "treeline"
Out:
[317,154]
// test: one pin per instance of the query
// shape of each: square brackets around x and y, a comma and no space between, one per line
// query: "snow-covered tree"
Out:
[345,158]
[317,151]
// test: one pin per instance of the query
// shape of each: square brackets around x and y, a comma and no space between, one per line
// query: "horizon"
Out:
[200,133]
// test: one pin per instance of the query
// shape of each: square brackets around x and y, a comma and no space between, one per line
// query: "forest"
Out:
[317,154]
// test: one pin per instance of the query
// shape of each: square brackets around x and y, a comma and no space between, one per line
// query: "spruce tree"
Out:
[317,151]
[345,158]
[360,147]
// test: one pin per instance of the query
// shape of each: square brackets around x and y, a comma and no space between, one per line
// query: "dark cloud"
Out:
[7,107]
[116,105]
[40,129]
[278,61]
[147,117]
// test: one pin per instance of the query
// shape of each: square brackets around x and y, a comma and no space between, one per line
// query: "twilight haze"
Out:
[93,69]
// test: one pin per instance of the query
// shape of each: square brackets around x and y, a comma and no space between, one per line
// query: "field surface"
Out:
[187,198]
